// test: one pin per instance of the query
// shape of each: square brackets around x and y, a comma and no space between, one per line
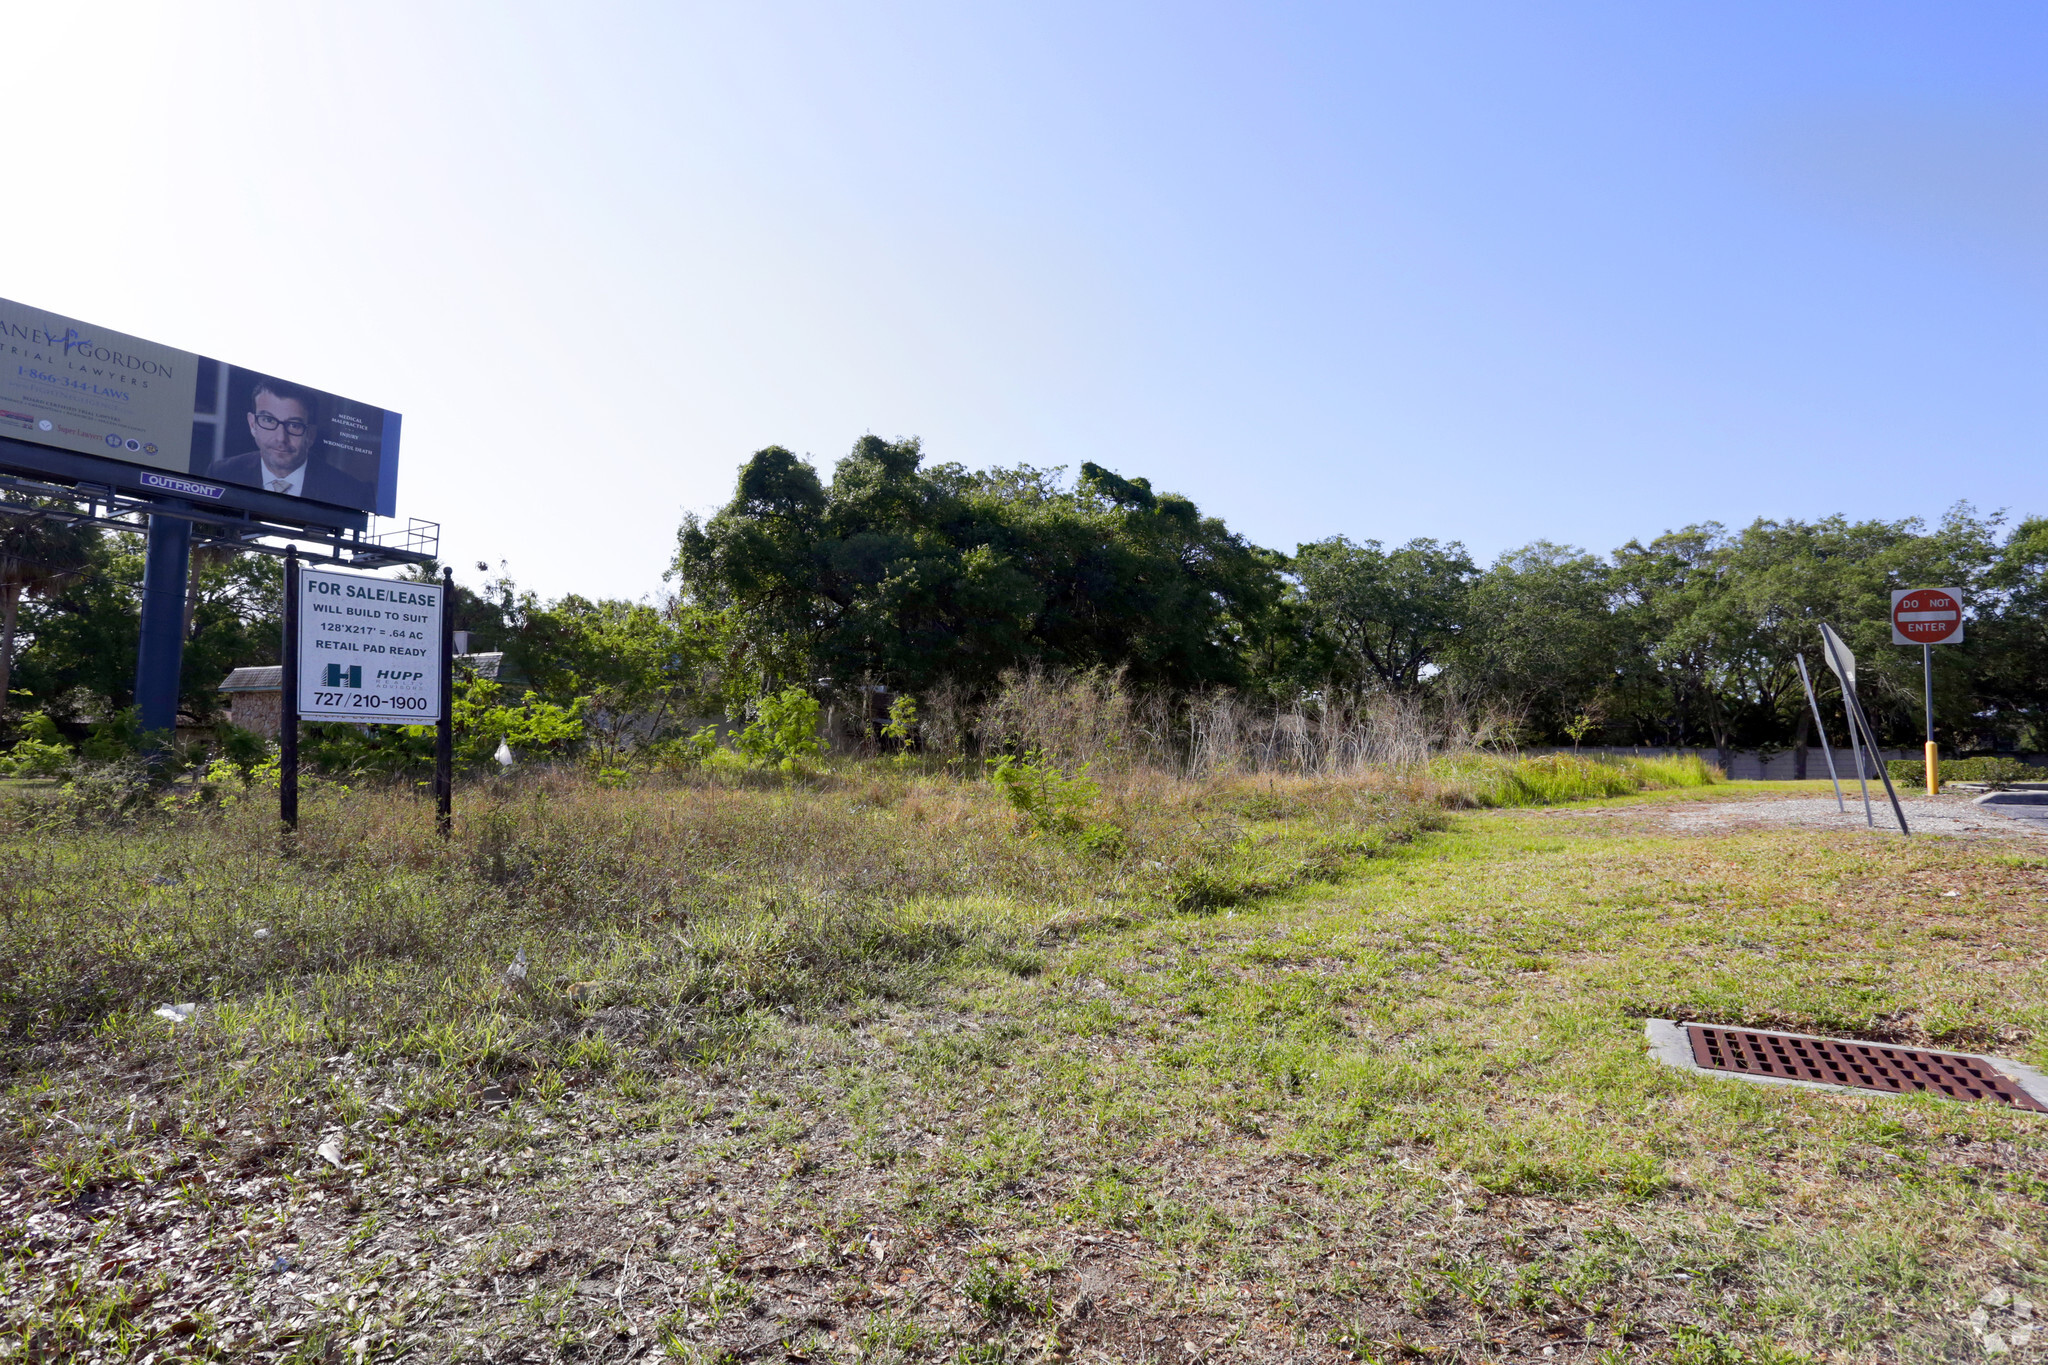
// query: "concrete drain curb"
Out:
[1859,1067]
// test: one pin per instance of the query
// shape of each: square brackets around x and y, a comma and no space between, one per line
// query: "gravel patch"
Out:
[1951,815]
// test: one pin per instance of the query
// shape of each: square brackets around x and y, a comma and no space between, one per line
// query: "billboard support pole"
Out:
[1825,747]
[444,731]
[1933,754]
[160,652]
[288,699]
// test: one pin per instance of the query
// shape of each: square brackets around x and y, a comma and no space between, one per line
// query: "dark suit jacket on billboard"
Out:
[324,483]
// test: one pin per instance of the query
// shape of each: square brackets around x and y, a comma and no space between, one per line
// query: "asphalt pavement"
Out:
[2028,807]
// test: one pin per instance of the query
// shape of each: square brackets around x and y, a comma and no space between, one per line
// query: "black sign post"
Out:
[288,699]
[444,731]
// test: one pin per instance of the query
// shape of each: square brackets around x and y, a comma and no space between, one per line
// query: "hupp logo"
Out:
[74,342]
[337,676]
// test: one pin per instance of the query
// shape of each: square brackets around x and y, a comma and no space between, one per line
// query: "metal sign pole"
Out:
[1826,748]
[1856,752]
[444,732]
[1843,664]
[288,699]
[1933,754]
[1870,738]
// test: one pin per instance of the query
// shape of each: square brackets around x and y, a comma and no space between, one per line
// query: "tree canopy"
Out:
[901,575]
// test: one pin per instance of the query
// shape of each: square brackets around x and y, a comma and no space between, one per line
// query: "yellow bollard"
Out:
[1933,769]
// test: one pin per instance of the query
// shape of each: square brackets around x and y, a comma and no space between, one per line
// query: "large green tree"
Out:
[1722,618]
[1391,616]
[1541,633]
[902,575]
[2007,643]
[236,619]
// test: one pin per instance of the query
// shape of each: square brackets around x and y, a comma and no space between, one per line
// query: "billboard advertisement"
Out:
[194,426]
[369,649]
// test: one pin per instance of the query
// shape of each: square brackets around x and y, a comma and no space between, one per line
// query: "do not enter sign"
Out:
[1927,616]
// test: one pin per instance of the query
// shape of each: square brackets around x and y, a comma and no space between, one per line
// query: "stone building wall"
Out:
[262,712]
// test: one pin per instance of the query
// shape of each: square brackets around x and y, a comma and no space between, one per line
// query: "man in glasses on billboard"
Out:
[284,422]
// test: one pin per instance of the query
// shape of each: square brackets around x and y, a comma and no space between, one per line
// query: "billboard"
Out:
[369,649]
[189,425]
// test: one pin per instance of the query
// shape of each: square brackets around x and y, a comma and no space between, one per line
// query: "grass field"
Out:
[861,1069]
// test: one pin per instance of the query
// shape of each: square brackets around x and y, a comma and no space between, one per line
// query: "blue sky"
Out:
[1483,272]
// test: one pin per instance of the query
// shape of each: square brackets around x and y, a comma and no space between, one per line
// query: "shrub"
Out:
[902,726]
[40,752]
[1997,771]
[686,751]
[115,738]
[244,750]
[482,723]
[532,726]
[1103,841]
[1053,801]
[105,793]
[784,731]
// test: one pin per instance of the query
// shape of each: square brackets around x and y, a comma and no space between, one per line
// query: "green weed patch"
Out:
[1551,779]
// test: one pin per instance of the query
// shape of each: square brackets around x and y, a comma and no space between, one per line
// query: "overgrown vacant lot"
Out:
[857,1069]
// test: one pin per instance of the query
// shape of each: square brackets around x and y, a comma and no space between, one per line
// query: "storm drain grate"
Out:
[1862,1066]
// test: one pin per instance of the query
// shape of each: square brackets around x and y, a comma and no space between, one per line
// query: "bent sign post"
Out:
[1928,617]
[1841,660]
[369,651]
[1827,748]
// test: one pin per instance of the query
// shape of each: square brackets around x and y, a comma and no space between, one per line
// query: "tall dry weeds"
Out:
[1098,719]
[1089,717]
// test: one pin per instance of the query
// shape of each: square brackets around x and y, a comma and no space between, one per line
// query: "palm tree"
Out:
[37,552]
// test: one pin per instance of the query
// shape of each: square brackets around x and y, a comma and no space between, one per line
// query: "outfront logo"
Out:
[351,676]
[172,484]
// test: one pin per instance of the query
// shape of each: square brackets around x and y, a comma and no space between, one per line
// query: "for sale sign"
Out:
[1927,616]
[369,649]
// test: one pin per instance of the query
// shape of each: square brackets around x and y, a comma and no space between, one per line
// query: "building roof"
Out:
[271,678]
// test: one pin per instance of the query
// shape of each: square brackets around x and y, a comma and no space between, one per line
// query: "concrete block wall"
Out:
[1781,766]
